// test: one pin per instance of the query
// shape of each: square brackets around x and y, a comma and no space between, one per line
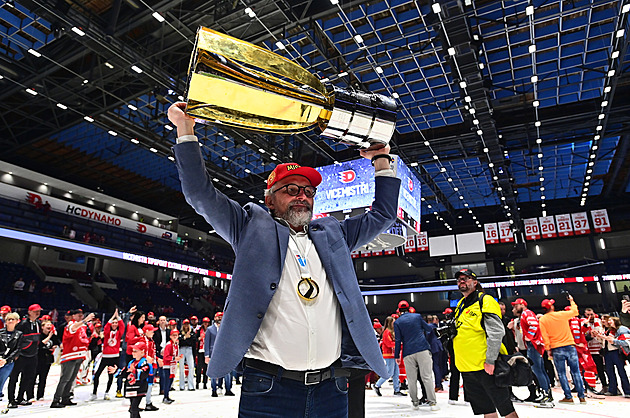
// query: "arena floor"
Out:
[200,404]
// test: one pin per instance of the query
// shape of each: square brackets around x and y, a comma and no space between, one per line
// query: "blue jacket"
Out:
[209,339]
[411,330]
[260,244]
[434,341]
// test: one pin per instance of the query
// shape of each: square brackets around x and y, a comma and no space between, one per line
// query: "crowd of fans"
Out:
[600,343]
[127,345]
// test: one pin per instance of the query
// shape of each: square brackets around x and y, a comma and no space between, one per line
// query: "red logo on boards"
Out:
[410,185]
[142,228]
[347,176]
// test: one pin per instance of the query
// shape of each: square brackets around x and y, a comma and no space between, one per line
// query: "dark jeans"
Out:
[134,409]
[601,369]
[614,359]
[5,372]
[201,368]
[453,389]
[69,370]
[27,367]
[538,366]
[228,382]
[105,361]
[563,356]
[356,393]
[168,382]
[43,368]
[266,395]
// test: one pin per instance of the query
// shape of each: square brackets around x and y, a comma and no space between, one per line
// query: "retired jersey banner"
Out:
[532,230]
[423,241]
[580,223]
[548,227]
[505,232]
[565,227]
[600,220]
[389,251]
[410,244]
[492,233]
[355,254]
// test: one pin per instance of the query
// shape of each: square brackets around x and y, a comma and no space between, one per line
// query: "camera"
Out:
[447,332]
[565,293]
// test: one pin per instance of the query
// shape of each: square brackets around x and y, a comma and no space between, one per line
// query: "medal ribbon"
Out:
[307,288]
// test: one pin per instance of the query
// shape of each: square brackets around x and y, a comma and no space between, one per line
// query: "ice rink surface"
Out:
[199,403]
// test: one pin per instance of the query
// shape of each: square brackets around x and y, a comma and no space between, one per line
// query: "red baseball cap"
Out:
[447,311]
[546,303]
[521,301]
[194,317]
[395,316]
[46,318]
[290,169]
[35,307]
[205,319]
[172,322]
[139,346]
[148,327]
[5,309]
[174,331]
[412,309]
[218,315]
[150,314]
[403,304]
[186,321]
[378,325]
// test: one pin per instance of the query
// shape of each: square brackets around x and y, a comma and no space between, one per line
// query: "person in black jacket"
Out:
[49,340]
[26,364]
[10,343]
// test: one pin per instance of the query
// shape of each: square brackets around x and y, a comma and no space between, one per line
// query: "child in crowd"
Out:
[136,376]
[171,357]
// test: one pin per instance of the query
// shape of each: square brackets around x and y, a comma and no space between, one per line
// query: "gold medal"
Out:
[307,289]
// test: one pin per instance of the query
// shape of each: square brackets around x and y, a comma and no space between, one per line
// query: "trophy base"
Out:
[384,241]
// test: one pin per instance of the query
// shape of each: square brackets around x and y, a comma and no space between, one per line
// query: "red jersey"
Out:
[113,338]
[531,330]
[387,344]
[134,335]
[201,338]
[150,350]
[594,345]
[75,344]
[576,330]
[171,351]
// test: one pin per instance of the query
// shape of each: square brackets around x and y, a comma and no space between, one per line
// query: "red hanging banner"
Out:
[565,227]
[492,233]
[423,241]
[505,232]
[547,227]
[532,230]
[600,220]
[580,223]
[410,245]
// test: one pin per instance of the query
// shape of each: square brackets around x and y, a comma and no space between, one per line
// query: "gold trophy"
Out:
[238,84]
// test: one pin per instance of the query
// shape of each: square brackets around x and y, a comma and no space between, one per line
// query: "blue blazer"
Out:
[260,244]
[411,330]
[209,339]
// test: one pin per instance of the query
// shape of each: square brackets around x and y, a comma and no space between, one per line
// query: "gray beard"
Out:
[297,218]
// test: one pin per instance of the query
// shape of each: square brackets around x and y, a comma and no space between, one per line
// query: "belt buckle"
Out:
[317,378]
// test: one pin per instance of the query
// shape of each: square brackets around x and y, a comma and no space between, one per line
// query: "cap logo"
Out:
[271,177]
[292,167]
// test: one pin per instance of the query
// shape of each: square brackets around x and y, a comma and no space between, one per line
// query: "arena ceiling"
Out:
[507,109]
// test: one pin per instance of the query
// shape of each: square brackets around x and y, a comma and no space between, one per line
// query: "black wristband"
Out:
[377,156]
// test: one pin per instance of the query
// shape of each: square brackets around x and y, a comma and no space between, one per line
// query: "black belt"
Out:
[309,377]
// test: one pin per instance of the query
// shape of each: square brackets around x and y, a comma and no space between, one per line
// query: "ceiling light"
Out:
[414,164]
[601,116]
[260,150]
[35,53]
[358,38]
[333,2]
[475,121]
[588,177]
[443,169]
[542,189]
[378,70]
[240,191]
[152,149]
[532,49]
[586,184]
[591,164]
[89,119]
[451,51]
[540,155]
[136,69]
[543,197]
[395,95]
[435,157]
[625,8]
[589,171]
[502,197]
[31,91]
[78,31]
[599,128]
[536,103]
[620,33]
[594,147]
[169,127]
[436,8]
[485,150]
[540,168]
[85,81]
[224,158]
[132,107]
[229,186]
[611,73]
[158,17]
[481,66]
[499,188]
[592,156]
[456,189]
[543,205]
[112,133]
[472,110]
[181,98]
[529,10]
[466,205]
[541,179]
[62,106]
[248,141]
[537,123]
[462,84]
[461,198]
[467,99]
[135,140]
[495,178]
[534,79]
[343,74]
[479,132]
[607,89]
[596,137]
[614,55]
[491,165]
[449,179]
[280,45]
[605,103]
